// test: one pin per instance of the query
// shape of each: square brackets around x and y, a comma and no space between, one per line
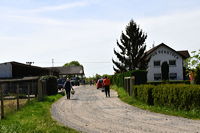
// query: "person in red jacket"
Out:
[106,84]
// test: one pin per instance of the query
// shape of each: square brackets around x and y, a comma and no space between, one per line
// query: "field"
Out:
[34,117]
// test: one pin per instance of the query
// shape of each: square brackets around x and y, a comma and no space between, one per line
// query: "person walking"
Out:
[67,86]
[106,84]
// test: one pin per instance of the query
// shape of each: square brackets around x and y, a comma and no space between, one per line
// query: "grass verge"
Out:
[192,114]
[34,117]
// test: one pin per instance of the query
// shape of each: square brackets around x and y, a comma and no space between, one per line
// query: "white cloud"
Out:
[35,20]
[90,41]
[87,41]
[179,30]
[58,7]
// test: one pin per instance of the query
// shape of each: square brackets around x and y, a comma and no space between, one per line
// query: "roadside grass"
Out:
[123,95]
[10,106]
[34,117]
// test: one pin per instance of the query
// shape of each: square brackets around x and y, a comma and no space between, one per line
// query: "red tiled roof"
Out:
[184,53]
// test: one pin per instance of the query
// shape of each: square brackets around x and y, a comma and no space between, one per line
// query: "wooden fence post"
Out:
[29,92]
[132,82]
[17,96]
[40,91]
[2,104]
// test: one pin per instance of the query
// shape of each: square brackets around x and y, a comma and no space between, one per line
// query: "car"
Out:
[99,83]
[60,83]
[75,81]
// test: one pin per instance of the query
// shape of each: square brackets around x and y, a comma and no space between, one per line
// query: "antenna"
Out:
[153,45]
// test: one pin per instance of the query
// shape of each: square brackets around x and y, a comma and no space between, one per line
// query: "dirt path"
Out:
[90,111]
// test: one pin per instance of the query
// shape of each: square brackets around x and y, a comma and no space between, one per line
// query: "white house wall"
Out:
[166,55]
[5,70]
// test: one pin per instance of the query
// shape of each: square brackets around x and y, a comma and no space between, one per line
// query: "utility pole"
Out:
[51,69]
[52,62]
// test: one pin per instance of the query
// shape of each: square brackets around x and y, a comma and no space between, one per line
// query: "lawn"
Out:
[34,117]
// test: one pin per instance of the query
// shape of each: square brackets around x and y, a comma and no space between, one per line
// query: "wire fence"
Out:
[15,93]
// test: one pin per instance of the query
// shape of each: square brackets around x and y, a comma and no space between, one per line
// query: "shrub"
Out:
[140,77]
[177,96]
[169,82]
[143,93]
[165,71]
[118,79]
[51,84]
[197,75]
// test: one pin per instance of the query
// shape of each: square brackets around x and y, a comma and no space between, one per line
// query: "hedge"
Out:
[178,96]
[143,93]
[51,84]
[169,82]
[140,77]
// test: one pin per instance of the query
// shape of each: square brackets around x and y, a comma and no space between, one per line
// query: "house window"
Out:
[157,76]
[172,62]
[173,76]
[156,63]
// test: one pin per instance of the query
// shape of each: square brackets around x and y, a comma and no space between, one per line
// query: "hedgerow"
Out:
[178,96]
[140,77]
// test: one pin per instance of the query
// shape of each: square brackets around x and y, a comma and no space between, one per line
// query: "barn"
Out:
[19,70]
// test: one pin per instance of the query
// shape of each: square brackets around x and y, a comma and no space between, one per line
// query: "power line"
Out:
[53,62]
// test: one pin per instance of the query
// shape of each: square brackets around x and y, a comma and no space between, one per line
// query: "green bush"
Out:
[140,77]
[177,96]
[169,82]
[143,93]
[180,96]
[197,75]
[165,71]
[51,84]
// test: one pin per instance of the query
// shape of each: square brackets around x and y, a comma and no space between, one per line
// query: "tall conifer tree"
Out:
[132,46]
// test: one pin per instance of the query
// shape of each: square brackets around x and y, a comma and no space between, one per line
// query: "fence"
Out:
[128,84]
[14,93]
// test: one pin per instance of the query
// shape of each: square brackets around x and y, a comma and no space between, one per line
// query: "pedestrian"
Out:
[106,84]
[90,82]
[67,86]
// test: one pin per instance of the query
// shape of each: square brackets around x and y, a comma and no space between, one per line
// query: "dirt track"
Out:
[90,111]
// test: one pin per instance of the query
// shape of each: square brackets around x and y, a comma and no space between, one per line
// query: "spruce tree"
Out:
[165,71]
[132,46]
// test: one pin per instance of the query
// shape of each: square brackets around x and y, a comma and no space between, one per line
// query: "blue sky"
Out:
[87,30]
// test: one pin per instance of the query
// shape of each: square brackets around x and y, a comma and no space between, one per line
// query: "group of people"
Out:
[69,89]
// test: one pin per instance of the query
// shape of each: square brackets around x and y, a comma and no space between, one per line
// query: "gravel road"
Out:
[90,111]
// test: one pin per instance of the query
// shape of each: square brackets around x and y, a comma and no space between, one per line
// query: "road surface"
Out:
[90,111]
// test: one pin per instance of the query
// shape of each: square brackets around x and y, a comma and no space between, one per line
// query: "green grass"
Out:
[35,117]
[192,114]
